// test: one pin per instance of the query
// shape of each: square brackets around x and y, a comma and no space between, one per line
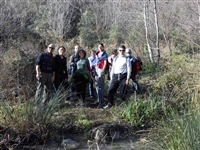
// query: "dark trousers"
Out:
[91,88]
[118,81]
[80,83]
[44,89]
[60,80]
[91,85]
[135,84]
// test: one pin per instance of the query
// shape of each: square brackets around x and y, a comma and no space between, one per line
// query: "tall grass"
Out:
[143,112]
[31,120]
[180,132]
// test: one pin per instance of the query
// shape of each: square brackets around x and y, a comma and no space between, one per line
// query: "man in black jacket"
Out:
[45,74]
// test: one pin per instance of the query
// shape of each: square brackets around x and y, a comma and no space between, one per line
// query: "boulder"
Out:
[70,144]
[106,133]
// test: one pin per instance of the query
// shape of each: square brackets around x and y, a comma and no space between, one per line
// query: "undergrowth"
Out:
[28,122]
[171,91]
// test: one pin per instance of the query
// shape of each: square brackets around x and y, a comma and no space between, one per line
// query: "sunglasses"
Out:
[121,50]
[51,47]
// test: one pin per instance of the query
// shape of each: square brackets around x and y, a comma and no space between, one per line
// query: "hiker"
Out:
[100,69]
[73,60]
[81,76]
[110,61]
[120,76]
[61,75]
[93,61]
[72,68]
[135,84]
[45,74]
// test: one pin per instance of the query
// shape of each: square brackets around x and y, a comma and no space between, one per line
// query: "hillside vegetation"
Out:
[168,107]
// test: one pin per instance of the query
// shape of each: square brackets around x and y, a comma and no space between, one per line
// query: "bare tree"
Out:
[146,29]
[157,33]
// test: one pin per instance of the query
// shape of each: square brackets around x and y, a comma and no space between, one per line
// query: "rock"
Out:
[69,144]
[109,132]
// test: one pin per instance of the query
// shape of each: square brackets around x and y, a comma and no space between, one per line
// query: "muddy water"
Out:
[136,142]
[132,143]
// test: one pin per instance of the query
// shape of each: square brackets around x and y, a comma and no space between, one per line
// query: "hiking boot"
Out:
[107,106]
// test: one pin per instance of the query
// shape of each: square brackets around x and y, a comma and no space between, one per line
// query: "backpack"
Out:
[137,65]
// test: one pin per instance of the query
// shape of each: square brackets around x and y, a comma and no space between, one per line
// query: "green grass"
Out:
[142,112]
[29,119]
[171,94]
[180,132]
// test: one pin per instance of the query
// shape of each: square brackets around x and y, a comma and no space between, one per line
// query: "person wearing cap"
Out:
[135,84]
[45,74]
[120,76]
[110,61]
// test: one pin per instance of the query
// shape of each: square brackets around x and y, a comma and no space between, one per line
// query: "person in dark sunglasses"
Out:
[45,75]
[119,77]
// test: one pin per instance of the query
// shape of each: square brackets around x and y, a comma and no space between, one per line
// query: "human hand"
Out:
[38,76]
[127,81]
[52,79]
[102,73]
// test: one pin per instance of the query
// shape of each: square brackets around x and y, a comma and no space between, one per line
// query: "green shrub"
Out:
[31,120]
[177,82]
[116,35]
[181,132]
[142,112]
[87,28]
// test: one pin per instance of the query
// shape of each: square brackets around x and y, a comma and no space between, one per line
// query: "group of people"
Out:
[85,72]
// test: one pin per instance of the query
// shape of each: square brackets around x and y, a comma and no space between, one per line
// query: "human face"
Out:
[51,48]
[115,54]
[76,48]
[92,54]
[61,51]
[81,54]
[121,51]
[100,47]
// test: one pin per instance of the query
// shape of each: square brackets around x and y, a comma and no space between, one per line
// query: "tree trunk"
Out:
[146,29]
[157,34]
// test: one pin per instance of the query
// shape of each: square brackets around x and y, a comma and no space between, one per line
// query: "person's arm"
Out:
[104,66]
[53,77]
[37,68]
[129,66]
[71,60]
[113,67]
[54,68]
[66,72]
